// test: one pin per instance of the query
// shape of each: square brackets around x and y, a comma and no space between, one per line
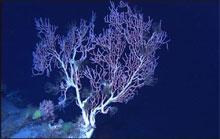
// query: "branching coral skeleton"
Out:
[121,59]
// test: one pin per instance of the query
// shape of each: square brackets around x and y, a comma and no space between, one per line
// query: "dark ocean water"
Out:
[185,100]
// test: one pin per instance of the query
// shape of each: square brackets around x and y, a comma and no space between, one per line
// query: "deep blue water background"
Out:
[184,102]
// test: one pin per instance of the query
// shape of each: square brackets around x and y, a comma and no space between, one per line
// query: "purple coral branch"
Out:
[122,58]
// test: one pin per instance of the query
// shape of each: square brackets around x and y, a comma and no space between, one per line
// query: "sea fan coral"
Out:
[47,110]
